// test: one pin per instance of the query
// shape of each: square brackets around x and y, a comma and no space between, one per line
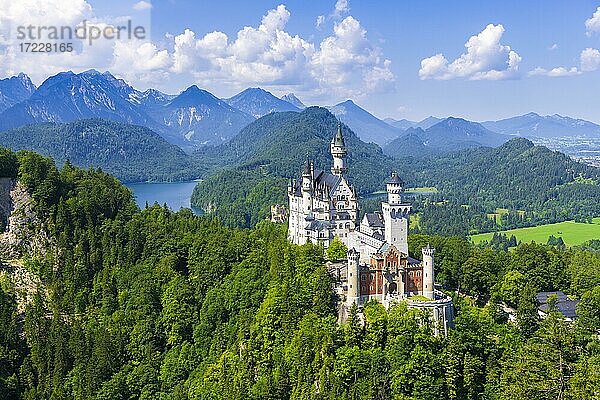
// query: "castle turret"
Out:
[394,189]
[338,151]
[395,215]
[428,272]
[307,175]
[353,277]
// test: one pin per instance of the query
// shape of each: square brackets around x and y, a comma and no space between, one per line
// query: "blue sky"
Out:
[400,59]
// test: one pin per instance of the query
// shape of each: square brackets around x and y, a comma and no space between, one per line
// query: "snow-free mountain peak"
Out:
[367,126]
[258,102]
[14,90]
[293,100]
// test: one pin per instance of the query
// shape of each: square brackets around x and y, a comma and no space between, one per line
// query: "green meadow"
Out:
[573,233]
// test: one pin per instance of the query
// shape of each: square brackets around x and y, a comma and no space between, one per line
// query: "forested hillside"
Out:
[533,184]
[280,143]
[131,153]
[154,304]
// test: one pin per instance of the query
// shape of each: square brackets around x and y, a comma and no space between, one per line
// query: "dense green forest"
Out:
[153,304]
[241,197]
[131,153]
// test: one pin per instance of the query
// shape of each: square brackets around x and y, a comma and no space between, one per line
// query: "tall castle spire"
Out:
[338,151]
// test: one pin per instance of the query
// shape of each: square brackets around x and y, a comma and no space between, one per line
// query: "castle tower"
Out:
[353,277]
[428,272]
[394,189]
[395,215]
[307,187]
[338,151]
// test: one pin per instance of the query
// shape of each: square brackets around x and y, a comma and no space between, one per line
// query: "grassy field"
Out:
[422,189]
[572,233]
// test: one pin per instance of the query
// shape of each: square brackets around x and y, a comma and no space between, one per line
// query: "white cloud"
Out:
[263,55]
[140,62]
[344,63]
[319,21]
[485,59]
[40,66]
[43,12]
[554,72]
[142,6]
[347,62]
[341,8]
[589,60]
[592,25]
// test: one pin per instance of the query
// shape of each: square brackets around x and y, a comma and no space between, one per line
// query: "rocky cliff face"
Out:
[6,185]
[24,232]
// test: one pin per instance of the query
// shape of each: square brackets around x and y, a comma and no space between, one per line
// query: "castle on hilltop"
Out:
[324,205]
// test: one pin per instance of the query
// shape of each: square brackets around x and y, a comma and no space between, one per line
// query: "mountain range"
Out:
[450,134]
[68,96]
[193,118]
[196,118]
[533,125]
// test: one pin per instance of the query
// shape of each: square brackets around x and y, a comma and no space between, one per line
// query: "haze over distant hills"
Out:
[400,123]
[448,135]
[548,126]
[405,123]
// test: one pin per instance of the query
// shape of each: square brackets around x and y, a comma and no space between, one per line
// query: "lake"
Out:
[175,195]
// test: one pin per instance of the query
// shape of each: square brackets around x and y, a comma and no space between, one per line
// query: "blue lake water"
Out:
[175,195]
